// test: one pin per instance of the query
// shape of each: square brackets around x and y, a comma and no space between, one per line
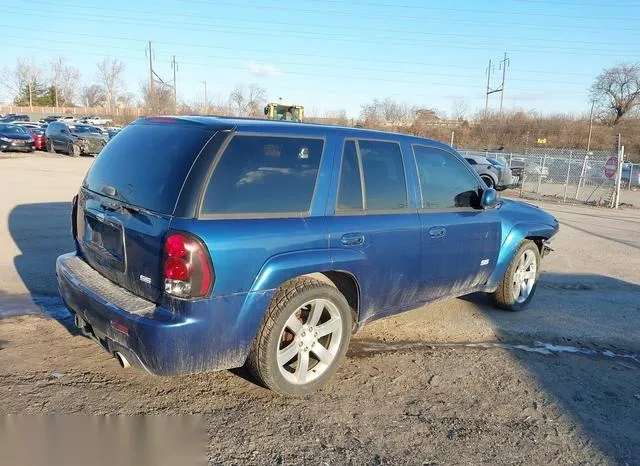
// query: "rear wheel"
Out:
[303,338]
[520,280]
[50,146]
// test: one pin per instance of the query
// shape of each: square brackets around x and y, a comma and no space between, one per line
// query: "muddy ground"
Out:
[453,383]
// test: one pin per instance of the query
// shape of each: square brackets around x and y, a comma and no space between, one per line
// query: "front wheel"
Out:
[74,150]
[50,146]
[488,181]
[520,280]
[303,338]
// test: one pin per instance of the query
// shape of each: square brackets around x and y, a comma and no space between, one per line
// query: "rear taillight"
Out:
[186,266]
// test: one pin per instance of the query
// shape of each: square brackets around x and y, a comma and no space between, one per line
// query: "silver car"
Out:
[495,175]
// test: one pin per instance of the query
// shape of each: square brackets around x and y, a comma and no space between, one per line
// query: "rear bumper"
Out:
[177,338]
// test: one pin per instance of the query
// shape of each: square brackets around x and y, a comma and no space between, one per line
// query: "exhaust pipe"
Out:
[122,360]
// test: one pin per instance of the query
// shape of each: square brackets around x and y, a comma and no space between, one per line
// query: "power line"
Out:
[388,16]
[341,77]
[342,38]
[378,59]
[314,74]
[323,27]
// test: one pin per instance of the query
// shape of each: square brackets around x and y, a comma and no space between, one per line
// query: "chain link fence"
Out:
[567,175]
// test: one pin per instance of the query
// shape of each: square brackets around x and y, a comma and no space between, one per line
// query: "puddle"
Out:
[367,348]
[50,307]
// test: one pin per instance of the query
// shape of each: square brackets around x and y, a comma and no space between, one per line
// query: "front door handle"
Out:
[352,239]
[437,232]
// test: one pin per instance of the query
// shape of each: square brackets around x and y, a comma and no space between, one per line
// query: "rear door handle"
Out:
[352,239]
[437,232]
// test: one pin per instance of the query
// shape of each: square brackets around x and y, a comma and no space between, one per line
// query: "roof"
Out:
[263,125]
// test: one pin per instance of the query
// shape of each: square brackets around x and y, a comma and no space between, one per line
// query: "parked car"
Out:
[14,138]
[208,243]
[11,117]
[495,175]
[39,138]
[630,175]
[96,120]
[74,139]
[50,118]
[112,131]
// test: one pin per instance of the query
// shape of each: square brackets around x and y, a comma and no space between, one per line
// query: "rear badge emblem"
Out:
[145,279]
[484,262]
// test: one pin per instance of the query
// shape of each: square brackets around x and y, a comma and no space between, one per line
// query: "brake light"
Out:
[186,267]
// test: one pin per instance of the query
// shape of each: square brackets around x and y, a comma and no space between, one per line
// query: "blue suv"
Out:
[207,243]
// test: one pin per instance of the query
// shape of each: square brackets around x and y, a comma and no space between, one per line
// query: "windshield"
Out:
[12,129]
[495,162]
[83,129]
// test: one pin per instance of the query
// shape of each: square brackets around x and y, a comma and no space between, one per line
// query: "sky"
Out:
[330,55]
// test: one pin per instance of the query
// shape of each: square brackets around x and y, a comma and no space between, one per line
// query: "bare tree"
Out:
[459,109]
[158,101]
[94,96]
[64,79]
[248,102]
[110,74]
[26,74]
[617,90]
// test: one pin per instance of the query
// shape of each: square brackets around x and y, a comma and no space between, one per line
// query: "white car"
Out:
[96,120]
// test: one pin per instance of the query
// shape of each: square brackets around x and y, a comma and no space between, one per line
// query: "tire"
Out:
[50,146]
[488,181]
[286,330]
[508,296]
[74,151]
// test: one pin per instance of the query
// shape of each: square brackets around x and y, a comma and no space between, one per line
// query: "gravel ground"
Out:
[457,382]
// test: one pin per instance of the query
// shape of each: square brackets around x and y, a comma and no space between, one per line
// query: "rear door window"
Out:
[146,165]
[261,174]
[384,180]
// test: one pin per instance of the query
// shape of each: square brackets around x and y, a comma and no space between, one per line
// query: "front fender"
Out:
[518,233]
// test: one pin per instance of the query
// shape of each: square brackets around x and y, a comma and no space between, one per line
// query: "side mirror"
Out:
[489,198]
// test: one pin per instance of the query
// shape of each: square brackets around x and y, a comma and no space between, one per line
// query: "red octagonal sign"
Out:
[611,167]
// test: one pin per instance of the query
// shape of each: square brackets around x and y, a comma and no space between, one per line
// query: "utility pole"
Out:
[206,102]
[590,126]
[149,50]
[174,65]
[486,99]
[504,64]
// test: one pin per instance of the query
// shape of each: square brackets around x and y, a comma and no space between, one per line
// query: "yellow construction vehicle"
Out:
[281,111]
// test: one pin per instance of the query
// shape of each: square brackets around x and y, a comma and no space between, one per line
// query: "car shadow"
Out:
[42,232]
[580,339]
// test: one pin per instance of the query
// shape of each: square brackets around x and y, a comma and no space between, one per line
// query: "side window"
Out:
[350,190]
[264,174]
[471,161]
[445,182]
[384,180]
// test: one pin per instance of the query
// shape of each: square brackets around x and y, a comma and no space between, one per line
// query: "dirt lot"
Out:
[457,382]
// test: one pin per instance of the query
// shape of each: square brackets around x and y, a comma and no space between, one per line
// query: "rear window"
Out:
[264,174]
[147,164]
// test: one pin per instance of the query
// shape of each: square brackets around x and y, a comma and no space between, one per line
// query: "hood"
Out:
[519,211]
[88,136]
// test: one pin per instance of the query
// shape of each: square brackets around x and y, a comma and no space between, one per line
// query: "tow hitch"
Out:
[546,248]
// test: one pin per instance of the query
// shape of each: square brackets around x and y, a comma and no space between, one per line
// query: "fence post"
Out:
[619,176]
[544,160]
[566,183]
[630,174]
[584,168]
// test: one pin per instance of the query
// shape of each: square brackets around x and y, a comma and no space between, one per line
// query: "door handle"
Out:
[437,232]
[352,239]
